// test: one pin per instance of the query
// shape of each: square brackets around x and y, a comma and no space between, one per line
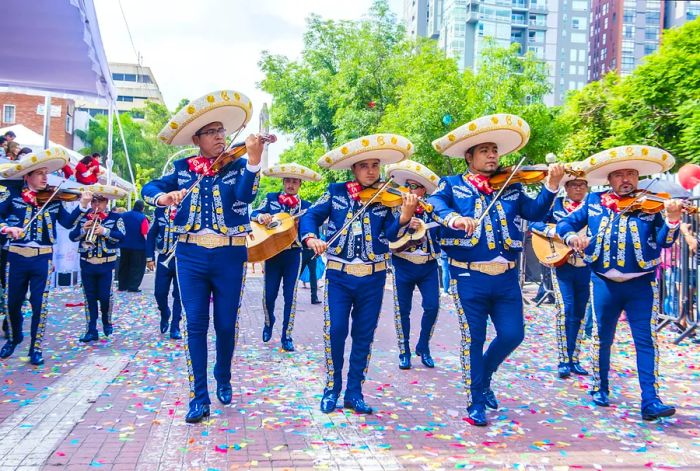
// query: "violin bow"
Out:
[357,214]
[43,207]
[498,195]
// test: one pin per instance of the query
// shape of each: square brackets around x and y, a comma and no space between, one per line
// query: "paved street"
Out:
[120,404]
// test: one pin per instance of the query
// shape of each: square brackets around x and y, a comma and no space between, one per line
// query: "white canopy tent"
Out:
[55,49]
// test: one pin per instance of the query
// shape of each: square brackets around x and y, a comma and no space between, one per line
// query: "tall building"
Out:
[28,110]
[134,83]
[679,12]
[553,30]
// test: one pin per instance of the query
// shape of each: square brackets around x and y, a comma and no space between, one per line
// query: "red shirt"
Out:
[87,174]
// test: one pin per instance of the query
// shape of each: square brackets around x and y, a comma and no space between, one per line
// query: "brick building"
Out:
[28,110]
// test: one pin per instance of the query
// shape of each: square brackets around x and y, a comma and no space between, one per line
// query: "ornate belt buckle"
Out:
[209,241]
[493,268]
[359,270]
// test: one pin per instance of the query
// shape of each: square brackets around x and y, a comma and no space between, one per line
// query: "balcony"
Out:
[537,24]
[519,5]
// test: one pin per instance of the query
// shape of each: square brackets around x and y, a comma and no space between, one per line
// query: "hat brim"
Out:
[109,192]
[232,117]
[507,141]
[385,157]
[400,176]
[16,171]
[387,148]
[307,178]
[599,176]
[292,170]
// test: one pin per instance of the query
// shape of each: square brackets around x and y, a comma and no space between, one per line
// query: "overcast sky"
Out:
[196,46]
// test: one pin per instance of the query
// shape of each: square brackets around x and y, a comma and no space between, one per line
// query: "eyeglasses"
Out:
[212,132]
[414,186]
[577,184]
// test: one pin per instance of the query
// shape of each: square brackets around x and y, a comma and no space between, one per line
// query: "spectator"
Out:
[13,149]
[132,263]
[10,136]
[88,169]
[23,151]
[3,147]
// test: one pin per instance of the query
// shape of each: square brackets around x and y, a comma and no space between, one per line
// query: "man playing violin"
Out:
[31,229]
[624,250]
[416,266]
[358,253]
[571,281]
[286,265]
[98,233]
[212,221]
[483,246]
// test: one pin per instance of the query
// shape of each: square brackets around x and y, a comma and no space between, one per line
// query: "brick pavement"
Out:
[135,420]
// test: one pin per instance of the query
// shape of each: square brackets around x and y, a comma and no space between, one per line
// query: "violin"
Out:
[236,151]
[391,197]
[527,175]
[63,194]
[650,203]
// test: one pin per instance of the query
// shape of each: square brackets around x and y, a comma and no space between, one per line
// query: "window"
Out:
[649,49]
[580,5]
[572,70]
[117,76]
[581,70]
[582,55]
[651,34]
[576,23]
[8,114]
[652,17]
[628,16]
[69,124]
[125,98]
[572,55]
[578,38]
[628,31]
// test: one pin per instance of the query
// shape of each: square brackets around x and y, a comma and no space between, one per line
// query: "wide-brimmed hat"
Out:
[647,160]
[292,170]
[387,148]
[229,107]
[53,159]
[109,192]
[411,170]
[508,131]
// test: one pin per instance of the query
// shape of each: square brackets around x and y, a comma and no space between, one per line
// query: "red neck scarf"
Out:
[172,211]
[288,200]
[29,197]
[101,216]
[419,210]
[201,165]
[354,189]
[481,182]
[570,205]
[609,200]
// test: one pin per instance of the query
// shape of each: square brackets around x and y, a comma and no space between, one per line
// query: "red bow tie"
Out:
[288,200]
[354,189]
[29,197]
[609,200]
[481,182]
[101,216]
[172,211]
[201,165]
[570,205]
[419,210]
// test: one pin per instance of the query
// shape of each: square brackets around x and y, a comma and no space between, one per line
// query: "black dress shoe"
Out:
[358,405]
[36,358]
[288,345]
[564,371]
[329,402]
[197,413]
[405,361]
[315,301]
[601,398]
[89,337]
[224,393]
[576,368]
[267,333]
[108,329]
[163,325]
[134,290]
[8,349]
[656,410]
[175,334]
[490,399]
[477,415]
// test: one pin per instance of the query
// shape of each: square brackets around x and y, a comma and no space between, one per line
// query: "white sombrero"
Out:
[292,170]
[645,159]
[52,159]
[231,108]
[387,148]
[109,192]
[410,170]
[508,131]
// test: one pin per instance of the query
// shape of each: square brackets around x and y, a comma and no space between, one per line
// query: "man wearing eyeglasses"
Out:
[212,221]
[571,281]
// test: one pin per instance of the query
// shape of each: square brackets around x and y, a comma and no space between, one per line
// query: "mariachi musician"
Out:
[286,265]
[415,265]
[98,234]
[30,226]
[212,191]
[571,279]
[358,252]
[482,237]
[625,248]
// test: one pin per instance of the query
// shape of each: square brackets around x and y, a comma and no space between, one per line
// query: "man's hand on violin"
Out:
[317,245]
[85,199]
[172,198]
[408,207]
[465,223]
[414,224]
[578,242]
[254,144]
[264,219]
[555,174]
[674,208]
[14,232]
